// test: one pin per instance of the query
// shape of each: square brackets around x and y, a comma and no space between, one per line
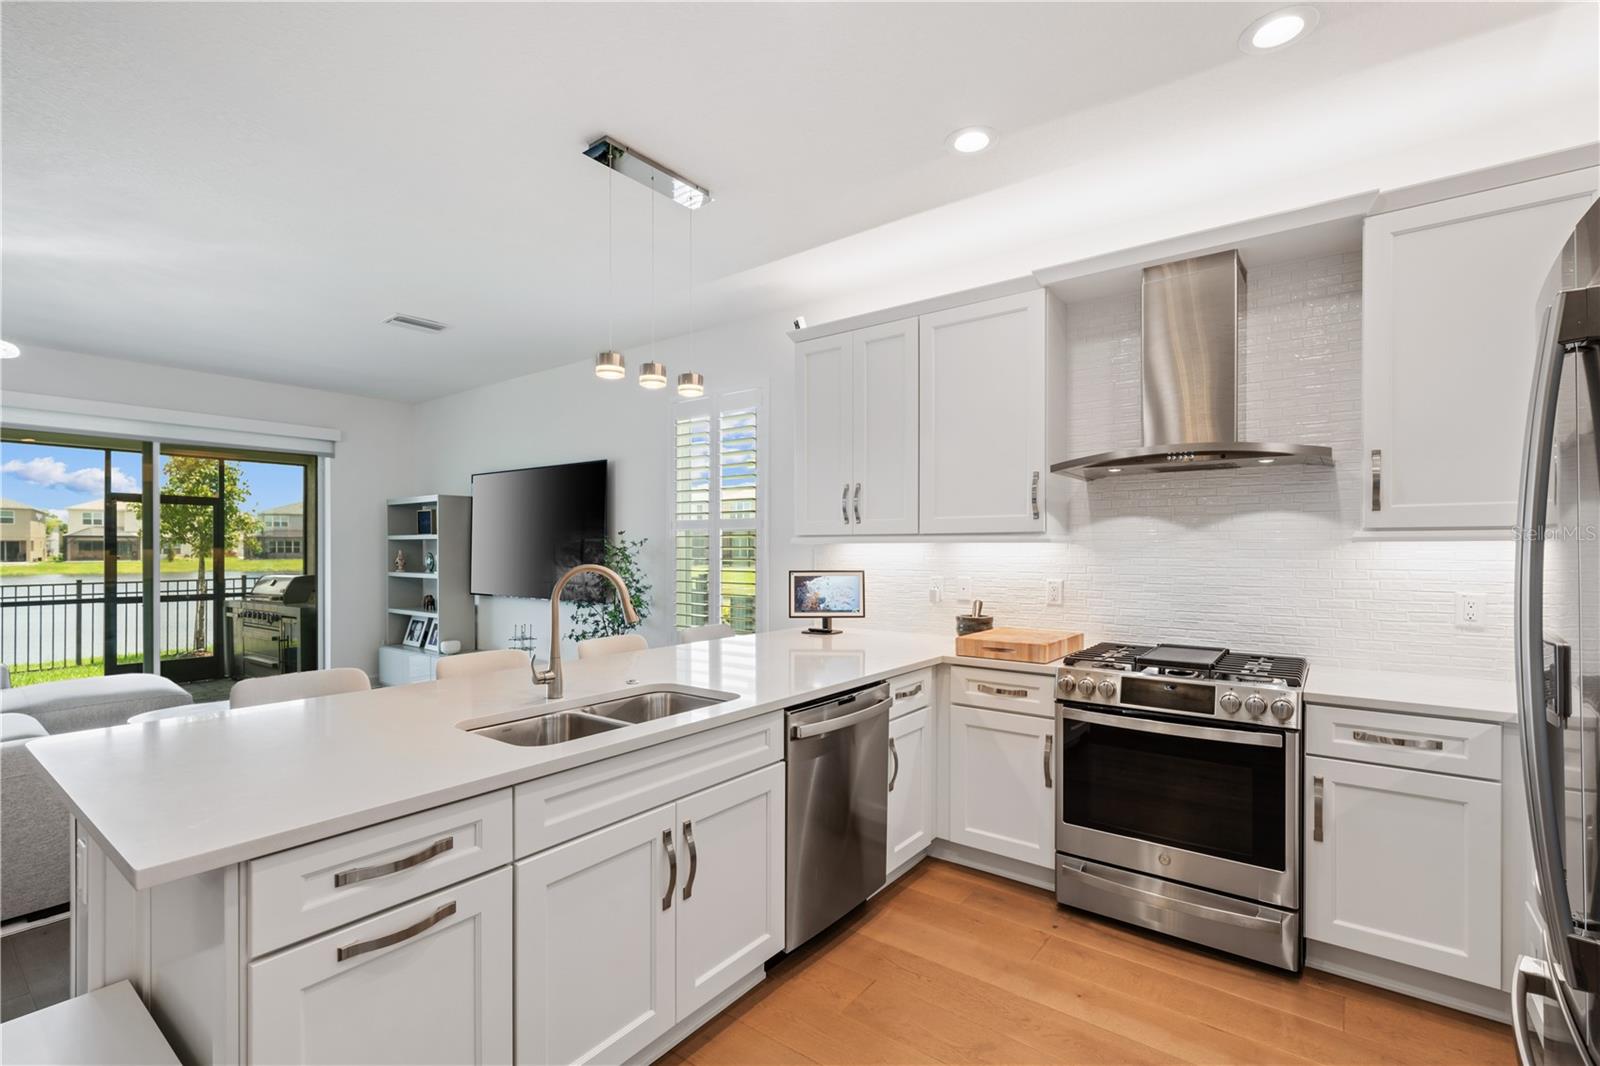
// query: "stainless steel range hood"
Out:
[1191,313]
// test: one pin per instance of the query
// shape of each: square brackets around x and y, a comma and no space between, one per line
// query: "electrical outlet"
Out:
[1052,592]
[936,590]
[964,589]
[1469,610]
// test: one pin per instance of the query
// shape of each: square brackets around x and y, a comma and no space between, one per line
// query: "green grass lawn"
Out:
[65,671]
[130,568]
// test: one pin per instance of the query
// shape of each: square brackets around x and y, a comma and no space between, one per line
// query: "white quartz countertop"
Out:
[173,798]
[1474,699]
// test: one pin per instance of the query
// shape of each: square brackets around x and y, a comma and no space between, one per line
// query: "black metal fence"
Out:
[51,625]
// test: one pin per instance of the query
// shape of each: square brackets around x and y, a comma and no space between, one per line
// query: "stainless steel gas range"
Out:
[1179,798]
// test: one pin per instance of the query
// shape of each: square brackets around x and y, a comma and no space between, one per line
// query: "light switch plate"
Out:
[963,587]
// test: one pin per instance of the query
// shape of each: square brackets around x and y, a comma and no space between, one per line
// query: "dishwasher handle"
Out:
[833,725]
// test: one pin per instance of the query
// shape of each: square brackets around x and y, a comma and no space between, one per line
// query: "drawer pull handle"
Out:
[1000,690]
[1316,809]
[1377,479]
[1361,736]
[384,869]
[844,502]
[672,868]
[895,776]
[1033,496]
[907,693]
[378,943]
[858,503]
[694,859]
[1049,760]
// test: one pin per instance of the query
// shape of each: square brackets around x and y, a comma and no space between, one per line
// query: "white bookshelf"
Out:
[408,581]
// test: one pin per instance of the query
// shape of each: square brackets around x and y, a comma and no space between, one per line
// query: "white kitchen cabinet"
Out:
[595,943]
[1448,346]
[628,930]
[731,884]
[1002,783]
[911,783]
[1405,865]
[856,432]
[984,392]
[427,982]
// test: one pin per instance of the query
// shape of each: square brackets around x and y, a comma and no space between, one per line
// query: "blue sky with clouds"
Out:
[53,478]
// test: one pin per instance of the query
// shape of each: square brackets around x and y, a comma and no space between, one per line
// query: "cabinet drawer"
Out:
[562,806]
[1416,742]
[307,890]
[911,692]
[1003,690]
[429,981]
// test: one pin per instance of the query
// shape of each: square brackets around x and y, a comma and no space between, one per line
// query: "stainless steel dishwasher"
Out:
[838,804]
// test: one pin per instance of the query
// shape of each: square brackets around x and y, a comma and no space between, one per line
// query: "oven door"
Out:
[1210,806]
[260,644]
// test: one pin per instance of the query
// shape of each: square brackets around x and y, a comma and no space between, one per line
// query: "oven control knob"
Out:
[1108,688]
[1231,702]
[1086,687]
[1282,709]
[1255,705]
[1065,683]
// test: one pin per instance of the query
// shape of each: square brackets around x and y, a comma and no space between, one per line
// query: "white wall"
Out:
[372,462]
[567,415]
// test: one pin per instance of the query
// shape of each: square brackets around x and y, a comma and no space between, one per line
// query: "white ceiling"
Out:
[252,188]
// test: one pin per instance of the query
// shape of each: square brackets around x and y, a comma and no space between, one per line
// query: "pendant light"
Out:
[653,375]
[609,364]
[691,384]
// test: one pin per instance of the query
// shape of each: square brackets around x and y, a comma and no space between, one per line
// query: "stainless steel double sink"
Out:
[558,727]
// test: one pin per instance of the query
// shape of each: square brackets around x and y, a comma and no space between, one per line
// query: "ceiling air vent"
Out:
[425,325]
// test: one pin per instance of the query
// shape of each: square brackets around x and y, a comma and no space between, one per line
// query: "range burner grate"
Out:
[1239,666]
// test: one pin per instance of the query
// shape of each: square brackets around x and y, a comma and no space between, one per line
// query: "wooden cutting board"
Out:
[1020,645]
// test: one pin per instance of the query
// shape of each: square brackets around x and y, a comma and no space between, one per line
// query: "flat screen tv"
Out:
[530,526]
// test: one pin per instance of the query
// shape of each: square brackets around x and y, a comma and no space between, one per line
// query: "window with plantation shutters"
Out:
[717,511]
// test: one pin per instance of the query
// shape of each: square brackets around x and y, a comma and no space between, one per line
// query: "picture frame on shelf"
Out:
[431,641]
[427,521]
[416,631]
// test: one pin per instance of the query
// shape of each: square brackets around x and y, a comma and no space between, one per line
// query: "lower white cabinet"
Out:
[426,982]
[911,800]
[1405,865]
[1002,783]
[625,931]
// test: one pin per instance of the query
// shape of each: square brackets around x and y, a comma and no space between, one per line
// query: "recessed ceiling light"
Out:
[971,139]
[1272,31]
[9,350]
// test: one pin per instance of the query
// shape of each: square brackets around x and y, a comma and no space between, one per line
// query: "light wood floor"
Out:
[950,965]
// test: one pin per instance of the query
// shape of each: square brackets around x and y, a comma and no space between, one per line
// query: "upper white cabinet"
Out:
[1448,348]
[933,424]
[985,390]
[856,432]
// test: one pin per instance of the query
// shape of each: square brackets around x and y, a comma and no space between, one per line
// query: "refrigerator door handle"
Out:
[1530,978]
[1542,779]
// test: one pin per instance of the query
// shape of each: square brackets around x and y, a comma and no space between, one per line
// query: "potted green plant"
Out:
[601,615]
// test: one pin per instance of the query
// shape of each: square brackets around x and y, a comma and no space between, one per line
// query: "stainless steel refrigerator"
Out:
[1556,990]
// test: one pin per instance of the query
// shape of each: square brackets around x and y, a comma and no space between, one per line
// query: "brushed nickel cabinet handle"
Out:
[378,943]
[694,858]
[1316,809]
[907,693]
[895,775]
[844,502]
[384,869]
[1000,690]
[858,503]
[1049,760]
[1377,479]
[672,868]
[1034,495]
[1361,736]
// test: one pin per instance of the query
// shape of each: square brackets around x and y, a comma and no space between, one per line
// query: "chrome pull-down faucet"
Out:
[551,678]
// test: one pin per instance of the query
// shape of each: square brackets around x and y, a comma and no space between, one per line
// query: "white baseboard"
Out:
[681,1032]
[999,865]
[1485,1002]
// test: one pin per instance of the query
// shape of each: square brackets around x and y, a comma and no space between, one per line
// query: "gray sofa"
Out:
[34,846]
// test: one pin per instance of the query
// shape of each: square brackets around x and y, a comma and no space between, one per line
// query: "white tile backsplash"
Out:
[1261,559]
